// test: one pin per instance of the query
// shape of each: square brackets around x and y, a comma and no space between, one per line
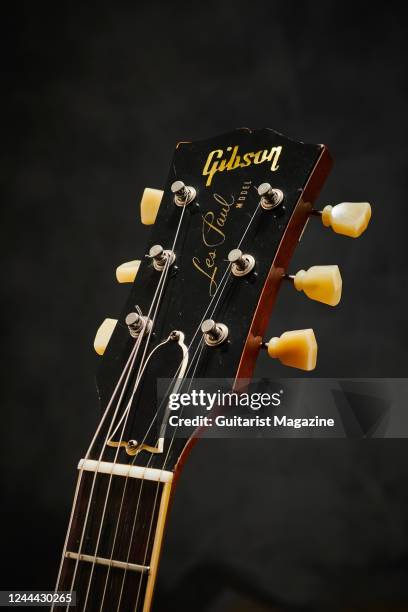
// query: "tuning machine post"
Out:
[183,194]
[137,323]
[160,257]
[271,197]
[242,264]
[214,333]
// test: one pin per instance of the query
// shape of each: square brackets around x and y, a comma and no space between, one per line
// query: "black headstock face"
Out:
[226,214]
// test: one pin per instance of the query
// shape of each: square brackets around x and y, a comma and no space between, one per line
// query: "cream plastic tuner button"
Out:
[126,272]
[348,218]
[297,349]
[103,335]
[320,283]
[149,205]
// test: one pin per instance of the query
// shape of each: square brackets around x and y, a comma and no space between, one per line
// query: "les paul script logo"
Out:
[213,236]
[216,162]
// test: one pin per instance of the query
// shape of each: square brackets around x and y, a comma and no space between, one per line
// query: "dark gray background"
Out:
[99,96]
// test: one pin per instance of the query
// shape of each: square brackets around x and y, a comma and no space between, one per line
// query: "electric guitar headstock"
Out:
[225,228]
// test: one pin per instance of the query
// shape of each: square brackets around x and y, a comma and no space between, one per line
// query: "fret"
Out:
[122,589]
[133,567]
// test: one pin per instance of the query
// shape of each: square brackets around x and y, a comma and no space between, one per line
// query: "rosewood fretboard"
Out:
[115,565]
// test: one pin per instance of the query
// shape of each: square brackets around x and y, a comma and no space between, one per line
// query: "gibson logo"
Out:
[216,162]
[213,236]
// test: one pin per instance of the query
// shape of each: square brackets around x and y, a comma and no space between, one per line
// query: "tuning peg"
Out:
[348,218]
[320,283]
[183,194]
[103,335]
[297,349]
[149,205]
[126,272]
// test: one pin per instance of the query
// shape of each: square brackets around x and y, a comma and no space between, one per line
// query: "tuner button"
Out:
[103,335]
[297,349]
[126,272]
[149,205]
[348,218]
[320,283]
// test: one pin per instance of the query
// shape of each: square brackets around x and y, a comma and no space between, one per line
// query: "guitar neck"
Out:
[112,549]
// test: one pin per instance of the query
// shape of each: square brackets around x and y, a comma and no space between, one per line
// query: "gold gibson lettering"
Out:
[217,162]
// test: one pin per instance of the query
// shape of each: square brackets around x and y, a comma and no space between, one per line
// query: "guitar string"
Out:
[223,281]
[157,493]
[145,437]
[109,435]
[222,288]
[128,363]
[128,367]
[156,347]
[162,282]
[107,495]
[141,366]
[134,525]
[122,500]
[131,361]
[222,284]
